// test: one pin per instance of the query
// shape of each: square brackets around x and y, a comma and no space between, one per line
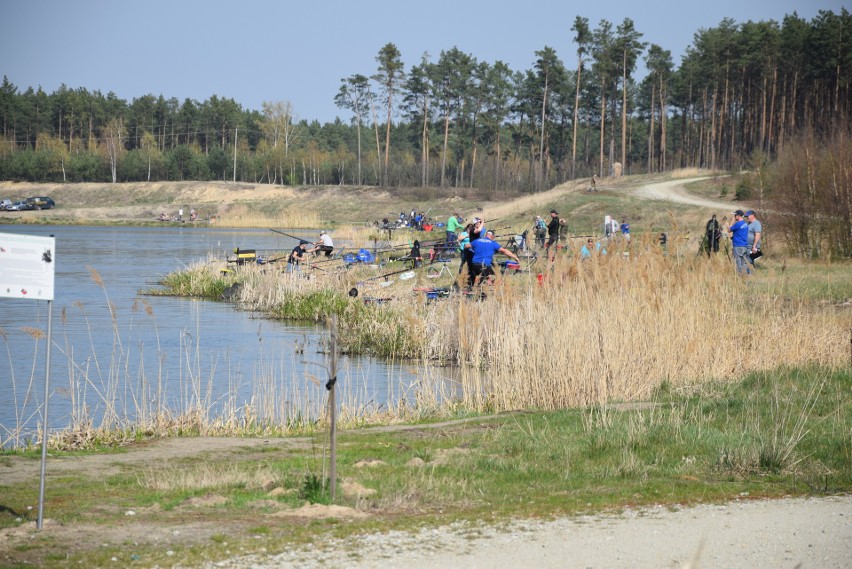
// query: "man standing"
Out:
[712,235]
[755,234]
[540,231]
[739,240]
[553,234]
[453,225]
[484,248]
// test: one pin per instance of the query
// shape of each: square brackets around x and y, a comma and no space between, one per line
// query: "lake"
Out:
[121,357]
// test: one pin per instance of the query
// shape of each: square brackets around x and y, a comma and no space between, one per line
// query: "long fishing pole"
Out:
[353,292]
[300,239]
[384,276]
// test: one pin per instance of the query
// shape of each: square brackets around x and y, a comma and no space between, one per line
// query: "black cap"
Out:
[739,212]
[554,212]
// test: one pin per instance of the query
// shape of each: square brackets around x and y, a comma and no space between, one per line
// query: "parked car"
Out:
[40,202]
[4,204]
[19,206]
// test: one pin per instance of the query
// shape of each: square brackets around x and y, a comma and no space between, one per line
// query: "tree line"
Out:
[740,91]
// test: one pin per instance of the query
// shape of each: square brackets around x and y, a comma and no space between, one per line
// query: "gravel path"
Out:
[675,191]
[792,533]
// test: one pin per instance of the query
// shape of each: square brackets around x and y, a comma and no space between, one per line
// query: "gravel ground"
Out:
[784,533]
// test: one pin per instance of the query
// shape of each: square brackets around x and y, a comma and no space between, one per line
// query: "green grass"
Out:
[800,280]
[770,435]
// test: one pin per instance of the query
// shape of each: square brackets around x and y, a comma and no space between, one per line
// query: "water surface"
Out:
[117,352]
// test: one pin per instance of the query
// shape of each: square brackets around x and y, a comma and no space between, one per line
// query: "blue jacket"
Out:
[483,250]
[740,234]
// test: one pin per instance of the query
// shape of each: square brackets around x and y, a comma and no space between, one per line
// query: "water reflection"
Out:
[120,356]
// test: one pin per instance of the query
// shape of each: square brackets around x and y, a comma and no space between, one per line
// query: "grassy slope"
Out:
[264,205]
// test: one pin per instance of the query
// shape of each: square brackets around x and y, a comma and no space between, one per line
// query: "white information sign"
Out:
[27,266]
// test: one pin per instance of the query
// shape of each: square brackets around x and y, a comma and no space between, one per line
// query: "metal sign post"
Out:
[40,521]
[27,272]
[332,405]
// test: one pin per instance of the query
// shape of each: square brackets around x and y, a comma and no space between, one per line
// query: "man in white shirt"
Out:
[325,244]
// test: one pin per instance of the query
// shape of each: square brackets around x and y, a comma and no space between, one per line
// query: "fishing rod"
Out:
[353,292]
[299,239]
[384,276]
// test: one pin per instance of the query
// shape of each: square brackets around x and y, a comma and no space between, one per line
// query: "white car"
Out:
[19,206]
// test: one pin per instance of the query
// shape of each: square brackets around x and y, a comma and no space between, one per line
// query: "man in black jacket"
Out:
[712,235]
[553,234]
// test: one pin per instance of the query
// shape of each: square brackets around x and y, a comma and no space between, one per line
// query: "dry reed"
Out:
[616,327]
[243,216]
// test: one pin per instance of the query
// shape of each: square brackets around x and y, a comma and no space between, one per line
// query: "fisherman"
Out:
[324,245]
[454,223]
[296,257]
[739,241]
[712,235]
[755,232]
[466,253]
[414,255]
[553,234]
[482,264]
[586,251]
[540,229]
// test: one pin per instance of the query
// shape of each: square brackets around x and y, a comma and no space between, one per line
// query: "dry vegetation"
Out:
[614,327]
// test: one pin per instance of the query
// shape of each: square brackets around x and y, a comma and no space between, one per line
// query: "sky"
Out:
[299,50]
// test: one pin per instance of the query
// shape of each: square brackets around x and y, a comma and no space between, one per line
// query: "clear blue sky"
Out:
[298,51]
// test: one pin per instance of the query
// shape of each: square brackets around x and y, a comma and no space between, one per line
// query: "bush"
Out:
[745,189]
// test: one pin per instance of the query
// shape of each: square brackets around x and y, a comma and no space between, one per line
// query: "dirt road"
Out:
[807,533]
[675,191]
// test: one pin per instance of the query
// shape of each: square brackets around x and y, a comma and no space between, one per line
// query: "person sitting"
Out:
[414,255]
[324,245]
[586,251]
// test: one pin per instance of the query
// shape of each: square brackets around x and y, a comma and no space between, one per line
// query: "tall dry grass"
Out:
[617,327]
[614,327]
[243,216]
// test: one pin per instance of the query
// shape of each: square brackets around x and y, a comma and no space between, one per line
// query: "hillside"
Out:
[262,205]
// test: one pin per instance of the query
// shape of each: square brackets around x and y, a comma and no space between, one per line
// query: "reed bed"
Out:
[617,327]
[582,332]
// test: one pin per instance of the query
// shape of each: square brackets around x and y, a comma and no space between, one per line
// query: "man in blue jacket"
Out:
[484,249]
[739,240]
